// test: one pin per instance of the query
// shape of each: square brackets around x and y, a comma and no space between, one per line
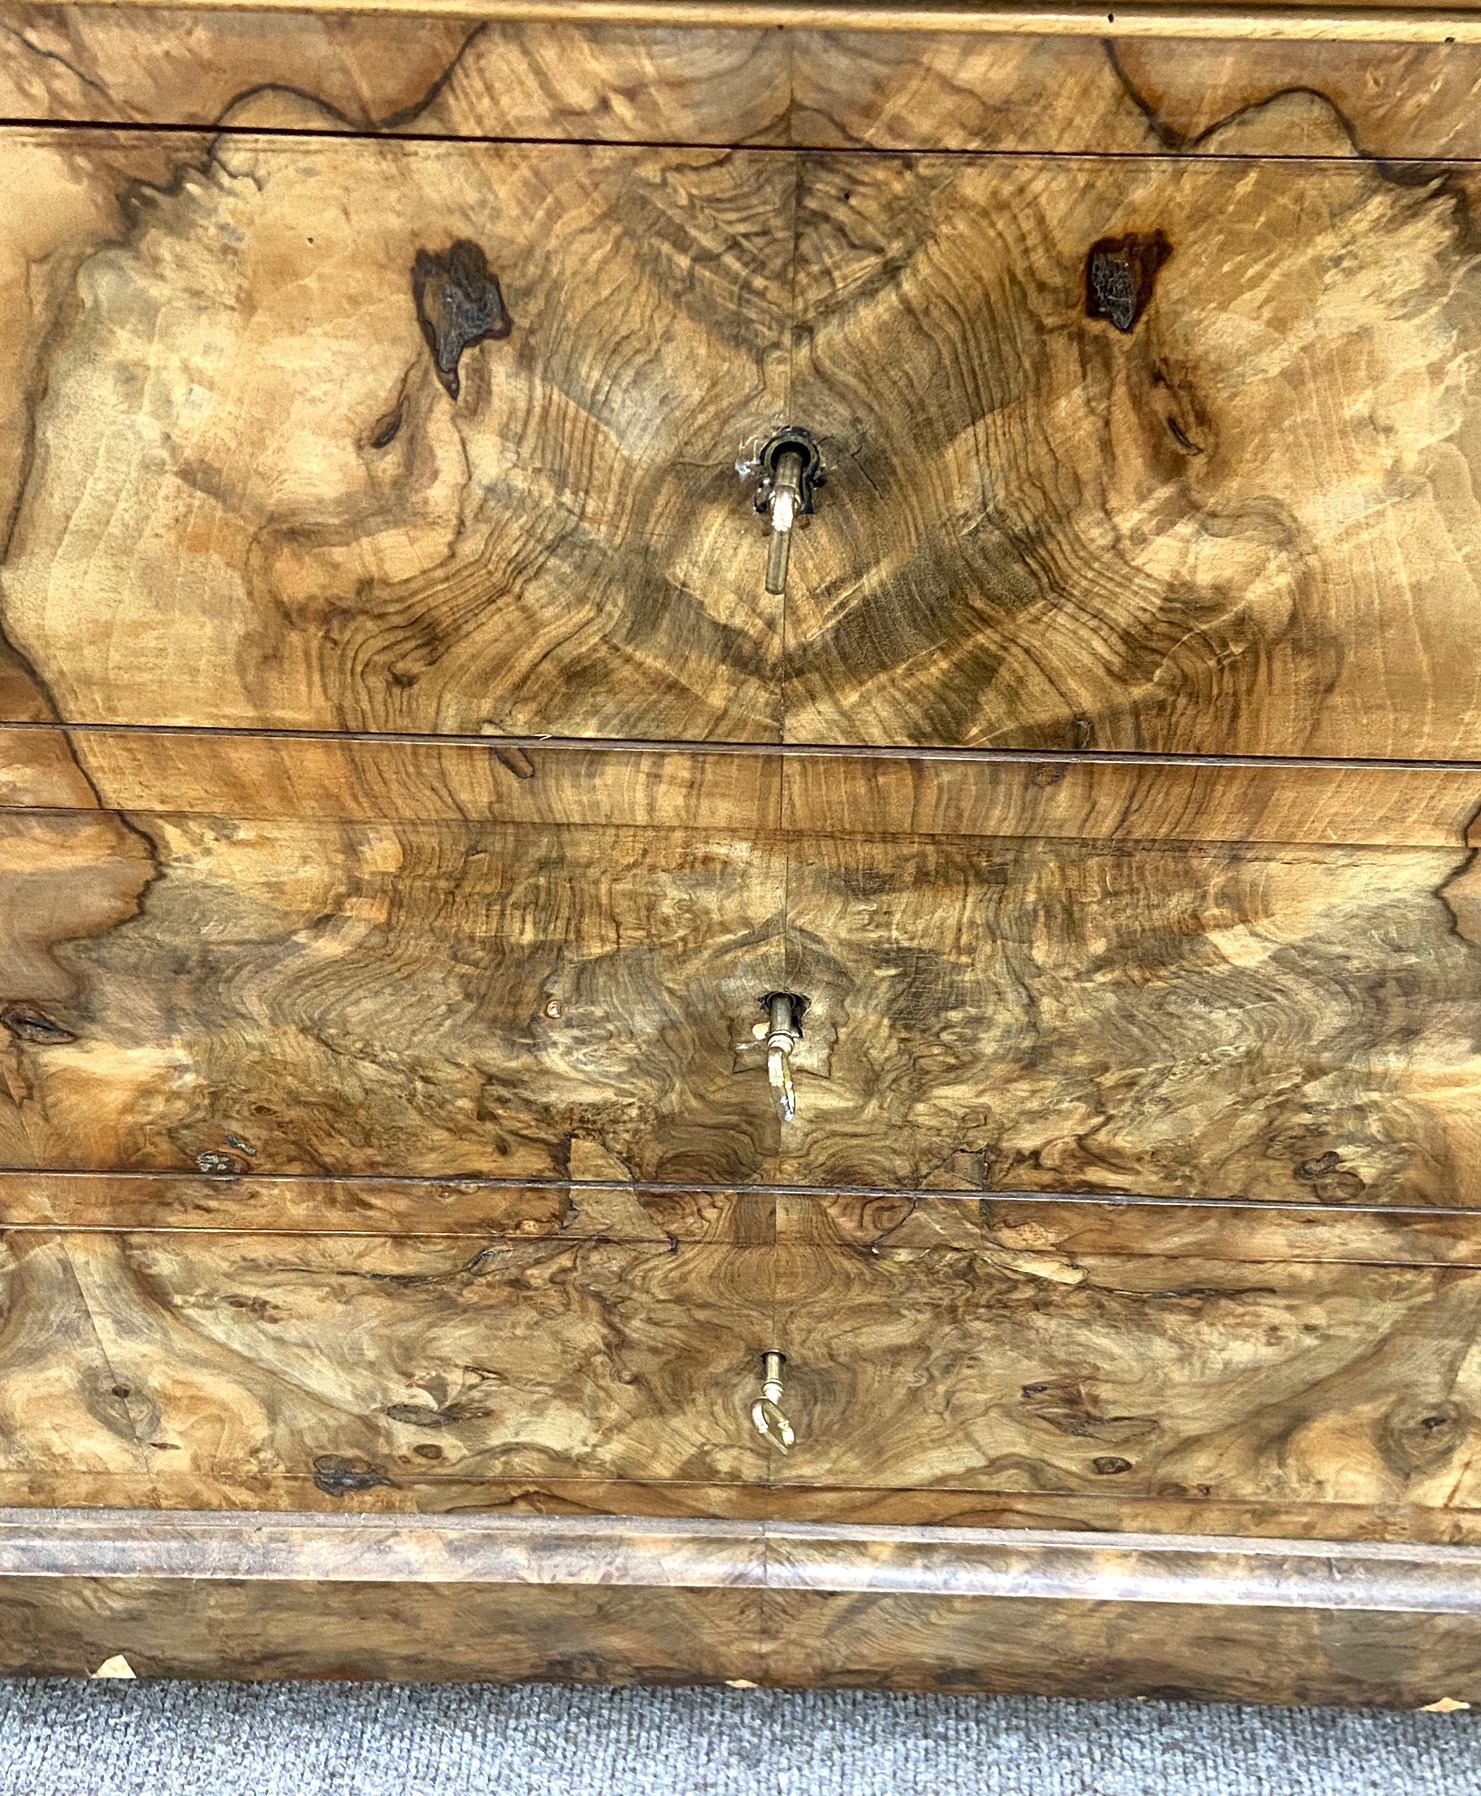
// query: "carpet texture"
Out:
[78,1739]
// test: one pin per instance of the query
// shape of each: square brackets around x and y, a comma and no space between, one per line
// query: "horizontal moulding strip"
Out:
[1363,24]
[1205,1570]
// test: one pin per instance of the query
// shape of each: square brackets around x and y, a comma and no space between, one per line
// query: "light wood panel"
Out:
[322,531]
[1232,515]
[1239,524]
[1279,1023]
[1151,1378]
[821,89]
[234,1369]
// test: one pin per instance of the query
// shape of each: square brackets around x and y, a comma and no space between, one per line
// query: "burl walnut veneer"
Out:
[590,1091]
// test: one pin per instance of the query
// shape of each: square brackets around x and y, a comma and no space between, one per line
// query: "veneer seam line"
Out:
[1112,757]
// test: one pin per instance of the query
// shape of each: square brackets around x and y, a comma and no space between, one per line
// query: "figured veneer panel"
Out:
[1272,1023]
[955,794]
[755,791]
[281,509]
[823,88]
[472,1209]
[360,1361]
[1231,515]
[1045,1230]
[1189,1021]
[363,999]
[1234,1382]
[344,778]
[64,1411]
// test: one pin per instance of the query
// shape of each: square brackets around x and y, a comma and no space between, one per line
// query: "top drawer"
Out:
[1153,453]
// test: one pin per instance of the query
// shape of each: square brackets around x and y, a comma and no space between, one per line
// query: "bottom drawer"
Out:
[214,1368]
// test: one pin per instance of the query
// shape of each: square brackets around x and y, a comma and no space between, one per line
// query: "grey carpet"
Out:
[78,1739]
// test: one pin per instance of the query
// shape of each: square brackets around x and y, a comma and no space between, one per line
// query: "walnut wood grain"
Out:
[1239,1382]
[1235,519]
[482,1210]
[373,780]
[404,1632]
[1352,20]
[217,1368]
[979,792]
[430,999]
[1058,1648]
[1278,1023]
[268,1362]
[300,1596]
[1003,1017]
[601,584]
[818,89]
[1018,1225]
[1130,531]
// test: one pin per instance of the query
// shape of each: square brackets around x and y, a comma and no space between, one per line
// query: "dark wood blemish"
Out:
[386,429]
[519,763]
[28,1024]
[419,1415]
[1121,276]
[1332,1182]
[337,1476]
[458,303]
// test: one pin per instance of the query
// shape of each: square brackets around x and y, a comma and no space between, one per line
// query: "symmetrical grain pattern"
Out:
[821,89]
[751,791]
[1188,1020]
[211,1368]
[1228,508]
[1162,454]
[298,500]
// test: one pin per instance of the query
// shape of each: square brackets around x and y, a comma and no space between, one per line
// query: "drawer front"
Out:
[209,1368]
[401,437]
[1146,452]
[1283,1023]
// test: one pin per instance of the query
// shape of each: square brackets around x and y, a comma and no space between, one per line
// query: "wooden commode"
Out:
[739,755]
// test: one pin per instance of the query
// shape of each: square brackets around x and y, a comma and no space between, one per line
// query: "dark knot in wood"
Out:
[458,304]
[1121,276]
